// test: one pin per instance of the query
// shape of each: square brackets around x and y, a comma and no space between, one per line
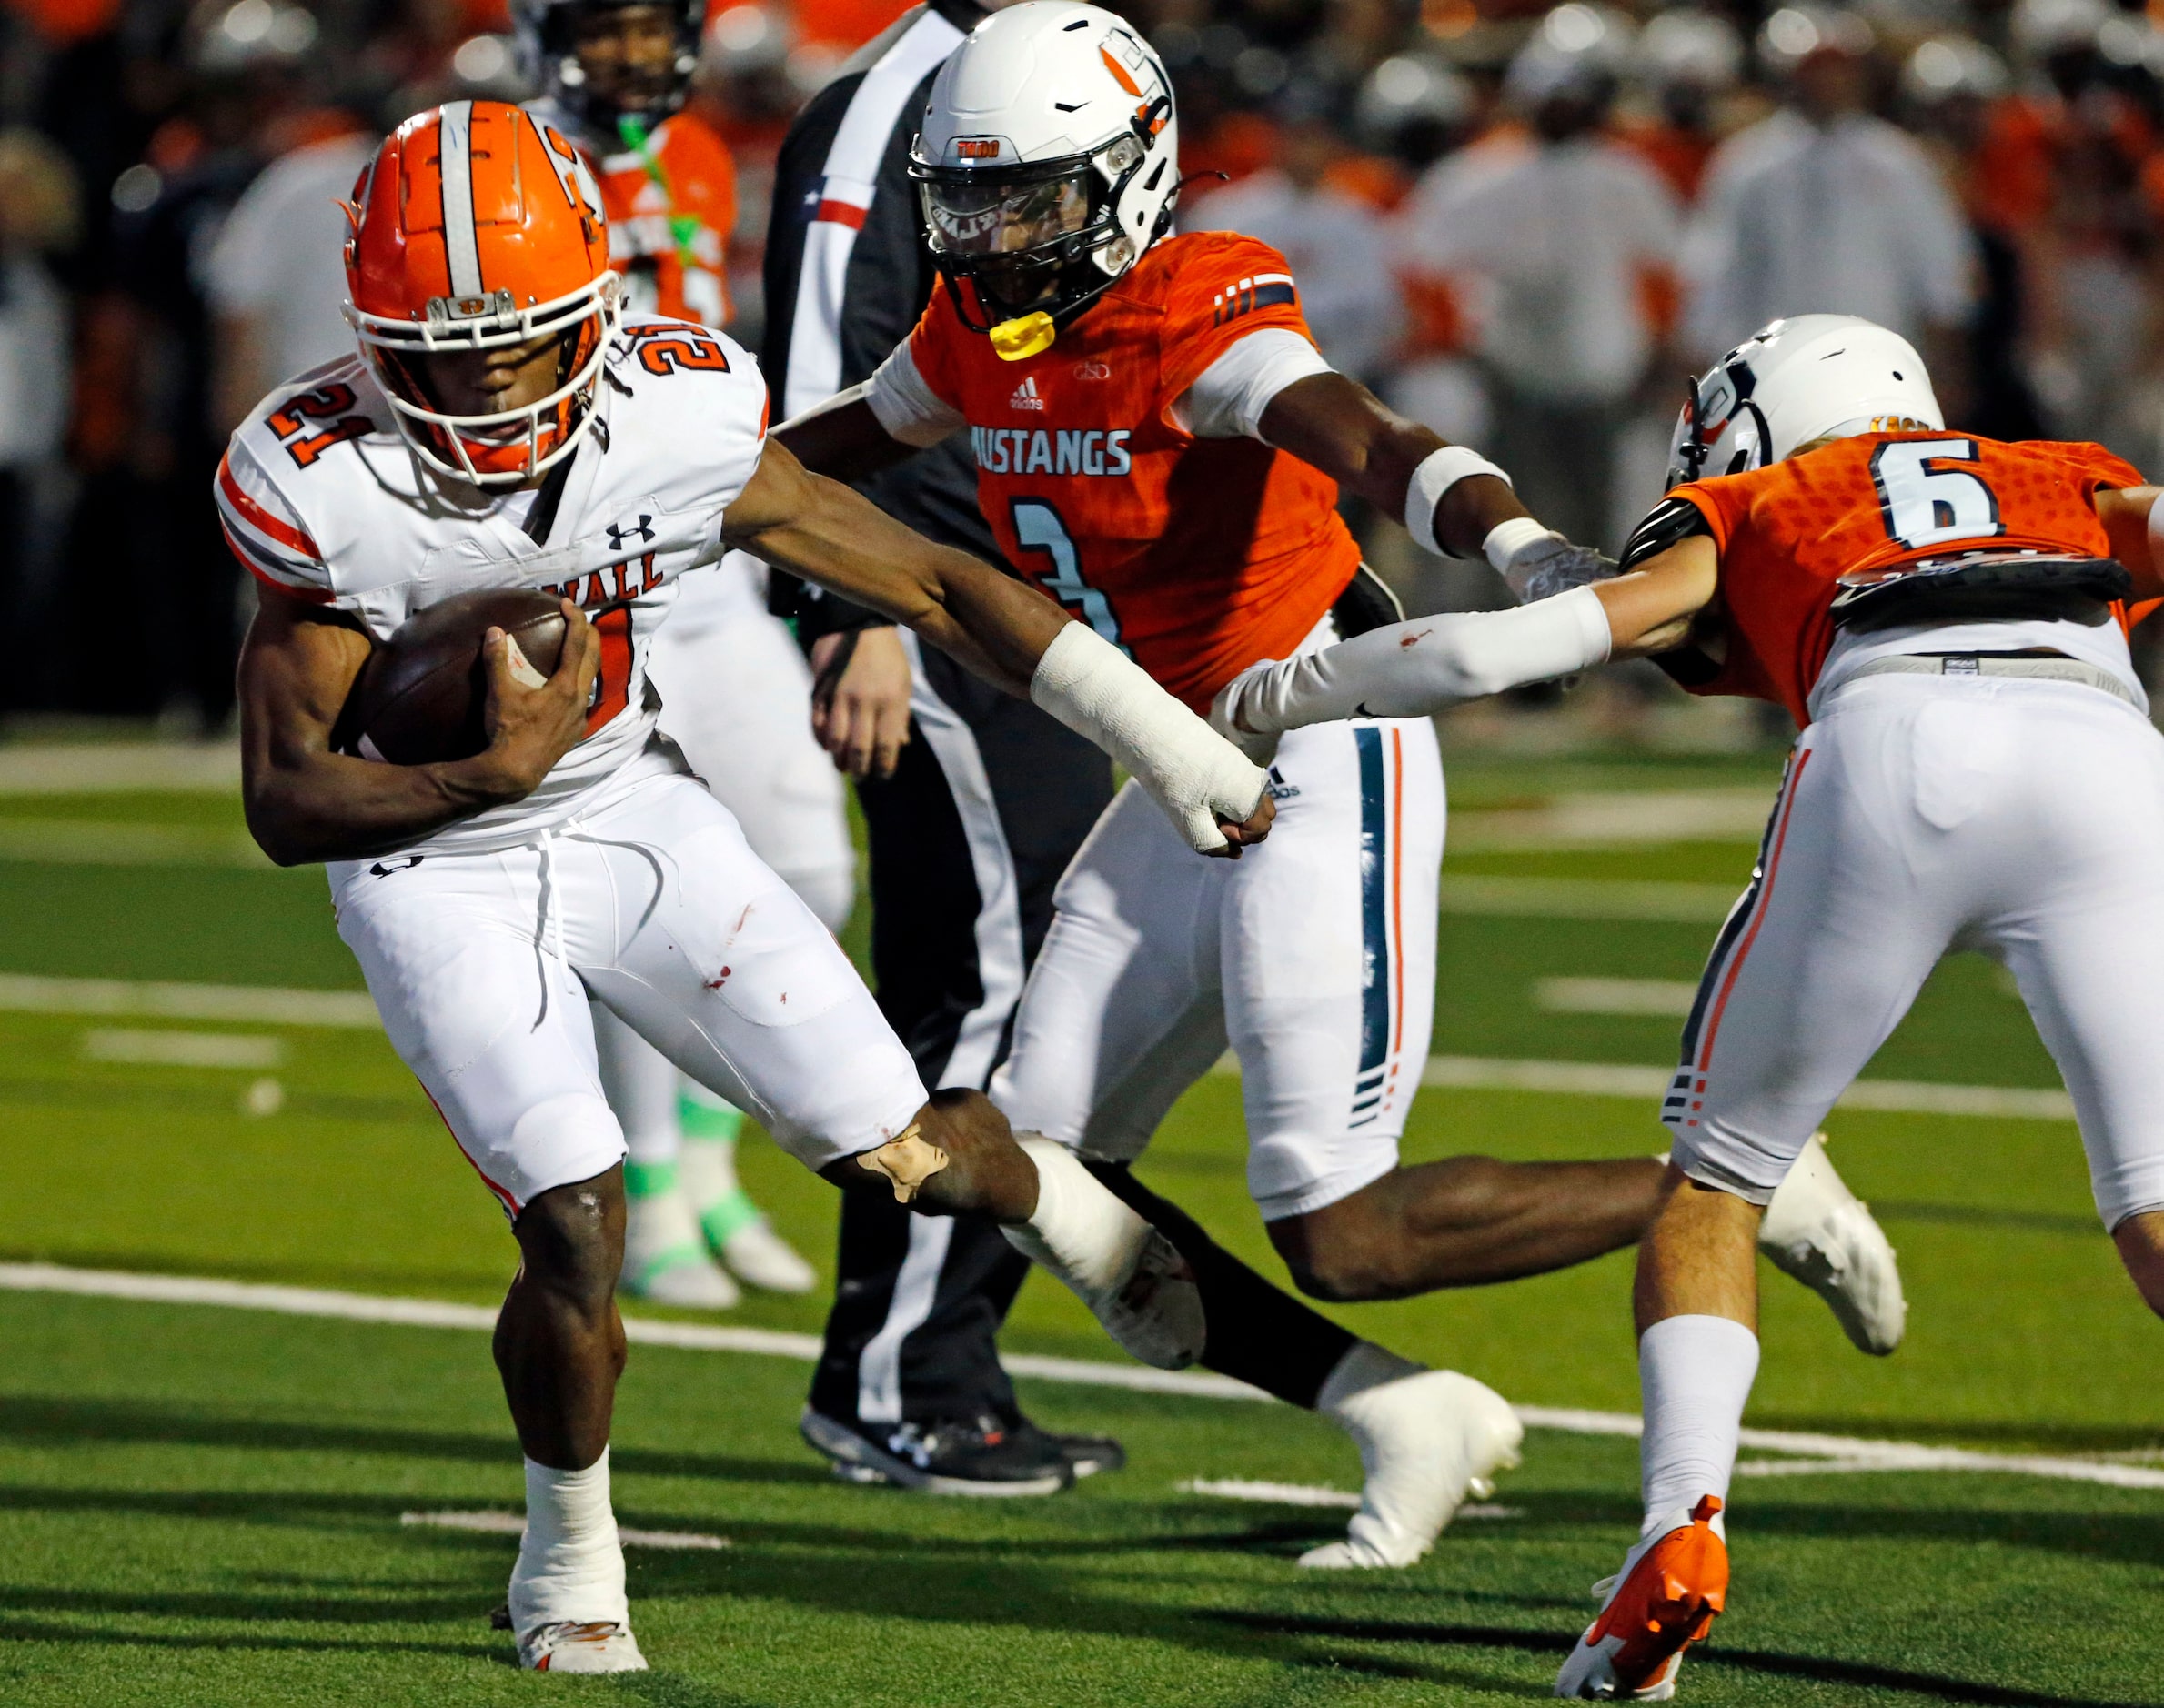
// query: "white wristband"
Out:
[1187,767]
[1506,540]
[1438,473]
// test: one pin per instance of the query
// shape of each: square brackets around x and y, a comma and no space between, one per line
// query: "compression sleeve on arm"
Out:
[1410,669]
[905,406]
[1187,767]
[1228,397]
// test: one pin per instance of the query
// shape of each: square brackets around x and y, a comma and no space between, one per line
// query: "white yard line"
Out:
[514,1525]
[183,1049]
[1589,899]
[1817,1452]
[121,767]
[268,1003]
[1313,1494]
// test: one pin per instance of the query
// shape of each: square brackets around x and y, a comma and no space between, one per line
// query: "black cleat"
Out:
[1088,1454]
[980,1457]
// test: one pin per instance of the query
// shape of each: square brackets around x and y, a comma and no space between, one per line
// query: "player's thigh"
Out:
[1855,897]
[2082,930]
[496,1029]
[1329,959]
[724,969]
[1121,1011]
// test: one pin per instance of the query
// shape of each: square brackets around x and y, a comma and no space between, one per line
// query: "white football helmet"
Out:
[1810,377]
[1048,162]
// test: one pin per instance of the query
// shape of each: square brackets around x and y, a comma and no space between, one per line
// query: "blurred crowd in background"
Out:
[1521,225]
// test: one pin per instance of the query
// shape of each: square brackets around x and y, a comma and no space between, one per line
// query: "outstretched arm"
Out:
[1452,500]
[1010,634]
[1412,669]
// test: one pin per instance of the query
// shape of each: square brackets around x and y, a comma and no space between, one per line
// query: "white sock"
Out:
[571,1563]
[1695,1374]
[1365,1365]
[1078,1230]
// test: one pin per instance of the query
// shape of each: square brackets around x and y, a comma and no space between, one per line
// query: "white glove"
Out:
[1536,563]
[1186,767]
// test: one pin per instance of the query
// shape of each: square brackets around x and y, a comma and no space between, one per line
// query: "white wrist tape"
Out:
[1411,669]
[1440,471]
[2155,531]
[1187,769]
[1506,540]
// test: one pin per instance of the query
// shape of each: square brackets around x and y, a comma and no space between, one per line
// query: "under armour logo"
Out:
[620,532]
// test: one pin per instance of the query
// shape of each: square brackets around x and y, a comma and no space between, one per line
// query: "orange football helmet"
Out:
[477,226]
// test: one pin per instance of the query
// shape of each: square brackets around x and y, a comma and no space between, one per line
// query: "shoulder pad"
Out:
[1669,523]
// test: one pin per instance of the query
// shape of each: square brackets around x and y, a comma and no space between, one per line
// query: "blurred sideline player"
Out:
[1976,771]
[501,427]
[1158,443]
[615,77]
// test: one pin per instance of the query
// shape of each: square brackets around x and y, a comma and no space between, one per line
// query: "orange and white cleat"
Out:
[1662,1602]
[572,1645]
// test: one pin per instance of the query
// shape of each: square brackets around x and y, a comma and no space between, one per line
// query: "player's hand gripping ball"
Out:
[423,695]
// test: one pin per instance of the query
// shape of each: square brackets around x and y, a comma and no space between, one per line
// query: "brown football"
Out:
[423,695]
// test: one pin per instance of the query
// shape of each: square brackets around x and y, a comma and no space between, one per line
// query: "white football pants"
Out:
[653,904]
[1922,814]
[1314,955]
[736,696]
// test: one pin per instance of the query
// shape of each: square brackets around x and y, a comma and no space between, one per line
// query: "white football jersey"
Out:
[321,499]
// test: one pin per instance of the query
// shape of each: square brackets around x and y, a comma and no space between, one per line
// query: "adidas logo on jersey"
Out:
[1025,395]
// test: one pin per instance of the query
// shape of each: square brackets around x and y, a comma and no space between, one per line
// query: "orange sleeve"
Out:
[702,176]
[2103,468]
[1713,503]
[931,347]
[1228,288]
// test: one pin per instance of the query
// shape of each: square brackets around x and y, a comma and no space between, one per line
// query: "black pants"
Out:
[989,804]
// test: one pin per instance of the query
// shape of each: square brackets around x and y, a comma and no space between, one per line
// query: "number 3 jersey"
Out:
[1787,532]
[320,500]
[1119,469]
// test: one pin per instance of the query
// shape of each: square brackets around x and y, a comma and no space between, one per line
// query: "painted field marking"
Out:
[514,1525]
[1313,1494]
[1620,1079]
[1857,1452]
[1670,997]
[122,767]
[269,1004]
[1589,899]
[183,1049]
[1612,818]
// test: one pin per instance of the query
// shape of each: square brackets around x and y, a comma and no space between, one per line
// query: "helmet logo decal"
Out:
[978,148]
[1120,75]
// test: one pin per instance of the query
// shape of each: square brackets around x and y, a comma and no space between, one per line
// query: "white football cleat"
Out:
[665,1255]
[572,1646]
[761,1258]
[1820,1233]
[1426,1441]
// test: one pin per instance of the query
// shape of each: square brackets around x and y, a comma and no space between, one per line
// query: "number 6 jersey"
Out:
[320,500]
[1788,531]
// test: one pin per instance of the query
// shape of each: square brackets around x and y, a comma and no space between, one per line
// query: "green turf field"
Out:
[201,1505]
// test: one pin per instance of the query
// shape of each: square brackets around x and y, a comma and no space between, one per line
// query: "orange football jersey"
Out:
[1199,556]
[1787,532]
[670,208]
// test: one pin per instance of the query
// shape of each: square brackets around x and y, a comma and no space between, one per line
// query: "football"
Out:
[423,695]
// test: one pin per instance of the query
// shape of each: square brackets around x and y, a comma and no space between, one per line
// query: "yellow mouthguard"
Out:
[1019,339]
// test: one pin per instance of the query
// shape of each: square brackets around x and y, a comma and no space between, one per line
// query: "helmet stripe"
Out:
[461,243]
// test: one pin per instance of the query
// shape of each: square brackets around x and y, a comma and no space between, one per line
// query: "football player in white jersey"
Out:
[504,426]
[614,74]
